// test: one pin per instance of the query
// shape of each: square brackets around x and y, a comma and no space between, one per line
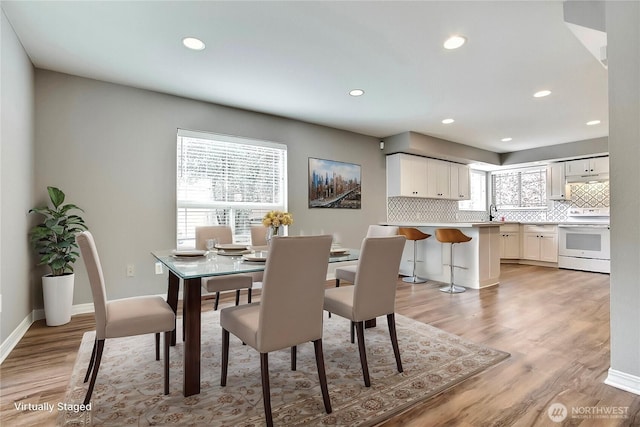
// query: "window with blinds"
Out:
[226,180]
[520,188]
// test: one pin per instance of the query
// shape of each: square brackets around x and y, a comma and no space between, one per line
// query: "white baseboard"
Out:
[14,338]
[623,381]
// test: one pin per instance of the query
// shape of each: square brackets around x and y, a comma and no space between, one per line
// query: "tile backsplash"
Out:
[583,195]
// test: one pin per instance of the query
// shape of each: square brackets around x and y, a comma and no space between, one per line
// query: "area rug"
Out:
[129,388]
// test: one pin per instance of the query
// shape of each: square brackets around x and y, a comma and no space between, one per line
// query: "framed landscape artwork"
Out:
[334,184]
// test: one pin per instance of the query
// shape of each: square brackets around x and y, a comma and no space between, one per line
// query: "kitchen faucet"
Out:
[492,209]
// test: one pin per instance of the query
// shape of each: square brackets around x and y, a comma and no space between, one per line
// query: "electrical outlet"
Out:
[131,270]
[158,268]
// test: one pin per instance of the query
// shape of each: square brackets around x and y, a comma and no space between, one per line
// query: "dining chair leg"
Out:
[266,392]
[215,305]
[157,346]
[391,321]
[294,354]
[238,297]
[225,357]
[91,361]
[353,325]
[363,353]
[94,375]
[322,375]
[167,344]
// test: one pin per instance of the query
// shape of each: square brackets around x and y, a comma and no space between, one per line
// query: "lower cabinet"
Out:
[510,241]
[540,243]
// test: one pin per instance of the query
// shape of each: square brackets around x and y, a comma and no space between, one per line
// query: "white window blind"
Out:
[227,180]
[520,188]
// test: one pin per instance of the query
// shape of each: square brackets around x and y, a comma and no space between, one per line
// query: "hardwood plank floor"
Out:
[555,324]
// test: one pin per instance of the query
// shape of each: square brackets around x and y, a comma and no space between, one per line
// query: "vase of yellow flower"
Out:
[274,221]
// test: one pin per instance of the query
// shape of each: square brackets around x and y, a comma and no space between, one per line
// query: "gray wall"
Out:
[112,149]
[623,33]
[16,180]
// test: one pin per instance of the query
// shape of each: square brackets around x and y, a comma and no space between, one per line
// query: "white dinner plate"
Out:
[189,252]
[231,247]
[234,252]
[338,251]
[255,257]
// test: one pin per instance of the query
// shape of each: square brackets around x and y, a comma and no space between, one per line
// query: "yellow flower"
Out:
[277,218]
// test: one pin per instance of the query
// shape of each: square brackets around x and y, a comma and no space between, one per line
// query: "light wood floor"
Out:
[555,324]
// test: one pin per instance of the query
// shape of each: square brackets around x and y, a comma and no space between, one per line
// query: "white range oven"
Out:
[583,243]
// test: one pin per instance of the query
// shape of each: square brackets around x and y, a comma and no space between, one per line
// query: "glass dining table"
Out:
[190,270]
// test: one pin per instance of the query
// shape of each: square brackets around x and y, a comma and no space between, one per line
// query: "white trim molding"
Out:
[14,338]
[623,381]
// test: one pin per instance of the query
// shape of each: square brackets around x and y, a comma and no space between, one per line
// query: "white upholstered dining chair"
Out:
[348,272]
[373,292]
[123,317]
[290,310]
[231,282]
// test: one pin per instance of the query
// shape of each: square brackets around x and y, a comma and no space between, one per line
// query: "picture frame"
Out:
[334,184]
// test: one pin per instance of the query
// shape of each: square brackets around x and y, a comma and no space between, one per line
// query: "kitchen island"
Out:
[479,258]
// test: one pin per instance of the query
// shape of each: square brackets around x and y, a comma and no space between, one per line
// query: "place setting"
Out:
[232,249]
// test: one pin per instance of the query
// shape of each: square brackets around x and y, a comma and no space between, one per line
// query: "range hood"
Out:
[596,177]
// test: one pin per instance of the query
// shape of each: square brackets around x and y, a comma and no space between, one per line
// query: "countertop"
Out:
[489,224]
[446,224]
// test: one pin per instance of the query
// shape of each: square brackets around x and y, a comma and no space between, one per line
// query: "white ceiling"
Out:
[300,59]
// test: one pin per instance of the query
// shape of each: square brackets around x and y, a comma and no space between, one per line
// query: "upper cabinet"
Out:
[438,178]
[460,182]
[406,176]
[415,176]
[556,182]
[583,167]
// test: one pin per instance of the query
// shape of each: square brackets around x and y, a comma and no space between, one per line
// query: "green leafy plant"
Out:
[55,238]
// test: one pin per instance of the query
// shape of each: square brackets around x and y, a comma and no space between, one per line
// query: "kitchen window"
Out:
[477,192]
[227,180]
[520,188]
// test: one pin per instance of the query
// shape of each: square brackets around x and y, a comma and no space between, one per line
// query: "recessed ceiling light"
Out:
[593,122]
[356,92]
[447,121]
[506,139]
[454,42]
[193,43]
[542,93]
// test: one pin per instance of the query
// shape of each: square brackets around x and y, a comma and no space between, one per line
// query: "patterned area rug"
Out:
[129,386]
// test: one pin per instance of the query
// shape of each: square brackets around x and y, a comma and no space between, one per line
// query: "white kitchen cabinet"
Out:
[556,182]
[596,165]
[415,176]
[540,243]
[459,180]
[438,179]
[510,241]
[406,176]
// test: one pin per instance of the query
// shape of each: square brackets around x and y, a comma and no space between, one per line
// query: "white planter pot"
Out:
[58,298]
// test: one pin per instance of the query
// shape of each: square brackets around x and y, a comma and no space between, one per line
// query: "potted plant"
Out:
[54,239]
